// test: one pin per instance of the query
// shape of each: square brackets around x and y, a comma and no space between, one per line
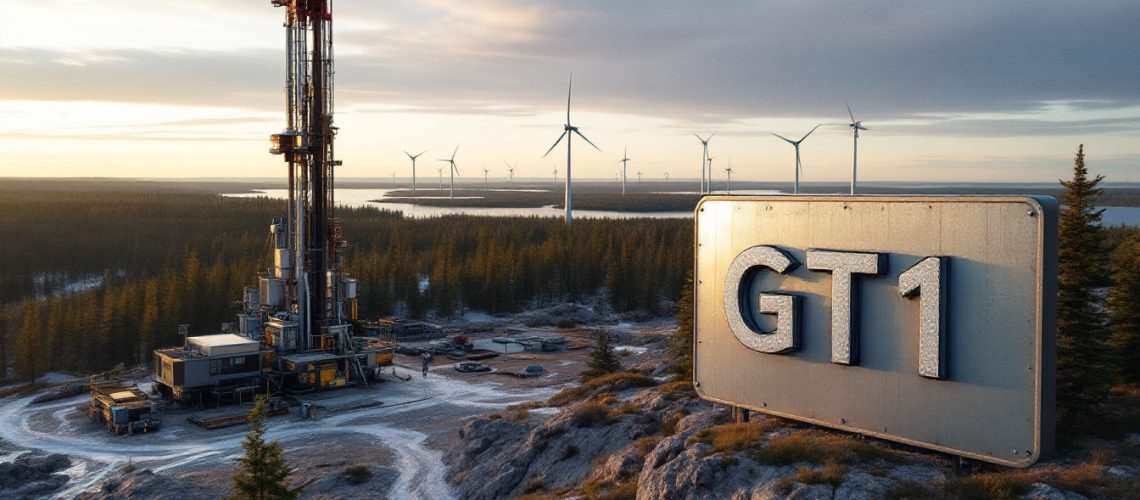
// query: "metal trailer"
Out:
[123,410]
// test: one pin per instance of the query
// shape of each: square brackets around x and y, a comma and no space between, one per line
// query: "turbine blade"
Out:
[456,169]
[710,137]
[569,88]
[421,153]
[809,133]
[409,154]
[555,144]
[860,126]
[789,141]
[456,151]
[849,113]
[587,140]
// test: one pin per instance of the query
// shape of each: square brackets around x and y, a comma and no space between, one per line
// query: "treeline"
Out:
[174,258]
[507,264]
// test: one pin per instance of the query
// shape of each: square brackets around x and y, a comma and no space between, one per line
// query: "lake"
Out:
[1113,216]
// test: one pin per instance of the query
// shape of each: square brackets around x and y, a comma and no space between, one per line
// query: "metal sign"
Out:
[923,320]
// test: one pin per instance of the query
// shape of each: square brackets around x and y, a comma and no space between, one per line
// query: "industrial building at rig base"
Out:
[298,330]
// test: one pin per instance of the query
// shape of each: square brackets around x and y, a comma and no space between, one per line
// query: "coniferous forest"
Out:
[91,279]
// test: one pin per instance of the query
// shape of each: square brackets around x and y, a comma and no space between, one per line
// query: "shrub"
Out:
[909,490]
[677,389]
[357,474]
[994,485]
[534,485]
[590,414]
[732,437]
[569,452]
[832,473]
[519,415]
[566,323]
[818,448]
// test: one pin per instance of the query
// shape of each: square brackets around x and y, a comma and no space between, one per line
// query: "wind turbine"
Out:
[440,170]
[639,177]
[729,172]
[485,172]
[413,157]
[511,171]
[624,161]
[710,174]
[856,126]
[555,178]
[454,172]
[796,186]
[567,132]
[666,176]
[704,157]
[393,178]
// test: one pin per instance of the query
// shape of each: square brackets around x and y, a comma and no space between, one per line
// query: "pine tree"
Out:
[1124,308]
[263,472]
[681,345]
[602,359]
[1083,367]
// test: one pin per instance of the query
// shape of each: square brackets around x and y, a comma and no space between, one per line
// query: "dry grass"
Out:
[733,437]
[677,390]
[910,490]
[1003,485]
[831,473]
[610,382]
[818,448]
[590,414]
[669,424]
[519,415]
[646,445]
[625,409]
[594,489]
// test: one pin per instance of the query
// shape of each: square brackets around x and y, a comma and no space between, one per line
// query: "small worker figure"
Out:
[427,361]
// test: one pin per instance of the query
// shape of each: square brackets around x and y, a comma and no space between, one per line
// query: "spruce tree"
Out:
[263,472]
[1083,367]
[602,358]
[681,345]
[1124,308]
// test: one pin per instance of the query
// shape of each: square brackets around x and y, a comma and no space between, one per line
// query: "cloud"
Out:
[710,63]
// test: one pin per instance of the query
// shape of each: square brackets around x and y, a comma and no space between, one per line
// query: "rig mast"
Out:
[298,329]
[312,236]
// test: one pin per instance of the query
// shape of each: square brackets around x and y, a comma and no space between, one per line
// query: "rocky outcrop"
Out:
[146,484]
[33,476]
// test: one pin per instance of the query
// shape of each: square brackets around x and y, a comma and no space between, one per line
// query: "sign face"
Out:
[924,320]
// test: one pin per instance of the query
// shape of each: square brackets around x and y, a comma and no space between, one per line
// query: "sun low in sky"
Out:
[977,92]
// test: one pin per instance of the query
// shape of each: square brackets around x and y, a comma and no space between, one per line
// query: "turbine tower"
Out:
[454,172]
[639,177]
[729,172]
[485,172]
[796,186]
[440,171]
[567,132]
[856,126]
[624,162]
[704,158]
[413,157]
[511,171]
[555,178]
[710,174]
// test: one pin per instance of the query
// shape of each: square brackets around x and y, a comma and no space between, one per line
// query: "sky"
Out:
[951,91]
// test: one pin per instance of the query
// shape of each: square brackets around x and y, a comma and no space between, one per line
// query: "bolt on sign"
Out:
[924,320]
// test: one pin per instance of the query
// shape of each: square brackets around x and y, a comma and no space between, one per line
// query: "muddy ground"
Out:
[400,441]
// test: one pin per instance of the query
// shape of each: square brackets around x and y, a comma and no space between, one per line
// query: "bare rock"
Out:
[917,473]
[801,491]
[863,486]
[33,475]
[146,484]
[1042,491]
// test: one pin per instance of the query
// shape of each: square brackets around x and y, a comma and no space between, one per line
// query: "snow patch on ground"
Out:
[57,427]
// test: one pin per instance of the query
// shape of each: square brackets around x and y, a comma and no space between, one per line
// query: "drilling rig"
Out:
[296,330]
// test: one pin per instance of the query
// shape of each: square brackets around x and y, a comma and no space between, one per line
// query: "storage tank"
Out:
[348,288]
[283,263]
[272,291]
